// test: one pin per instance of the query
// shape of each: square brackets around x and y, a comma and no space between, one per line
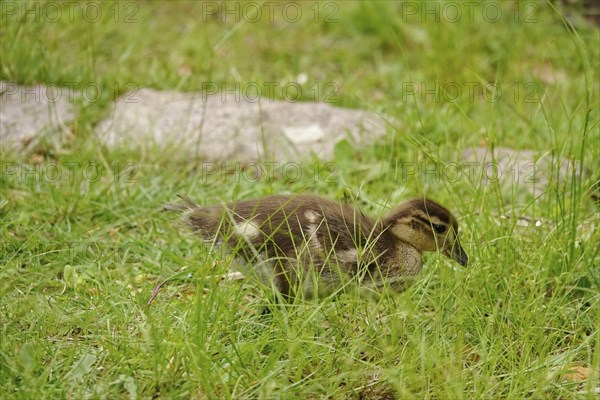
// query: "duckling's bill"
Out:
[458,254]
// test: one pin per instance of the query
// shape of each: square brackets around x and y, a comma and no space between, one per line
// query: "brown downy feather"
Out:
[297,237]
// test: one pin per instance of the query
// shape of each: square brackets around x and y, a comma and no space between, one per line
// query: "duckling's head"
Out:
[427,226]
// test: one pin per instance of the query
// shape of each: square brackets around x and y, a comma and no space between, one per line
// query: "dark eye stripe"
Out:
[423,220]
[437,227]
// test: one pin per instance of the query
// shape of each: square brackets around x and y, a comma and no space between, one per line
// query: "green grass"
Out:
[80,256]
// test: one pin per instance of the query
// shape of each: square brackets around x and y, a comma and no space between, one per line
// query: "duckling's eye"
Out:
[439,228]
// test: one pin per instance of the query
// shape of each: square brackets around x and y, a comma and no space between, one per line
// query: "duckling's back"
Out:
[283,239]
[284,222]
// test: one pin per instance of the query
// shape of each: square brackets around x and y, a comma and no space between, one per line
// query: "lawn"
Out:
[82,251]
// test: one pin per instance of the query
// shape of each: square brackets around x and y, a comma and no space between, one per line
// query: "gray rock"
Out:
[226,128]
[526,171]
[28,113]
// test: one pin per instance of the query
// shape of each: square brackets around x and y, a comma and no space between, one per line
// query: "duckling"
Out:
[309,245]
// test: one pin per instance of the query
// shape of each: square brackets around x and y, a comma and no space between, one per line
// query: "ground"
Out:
[85,242]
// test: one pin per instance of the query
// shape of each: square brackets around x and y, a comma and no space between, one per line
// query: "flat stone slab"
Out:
[28,113]
[524,170]
[229,128]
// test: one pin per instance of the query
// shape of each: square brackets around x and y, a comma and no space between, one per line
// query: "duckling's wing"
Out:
[255,225]
[270,224]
